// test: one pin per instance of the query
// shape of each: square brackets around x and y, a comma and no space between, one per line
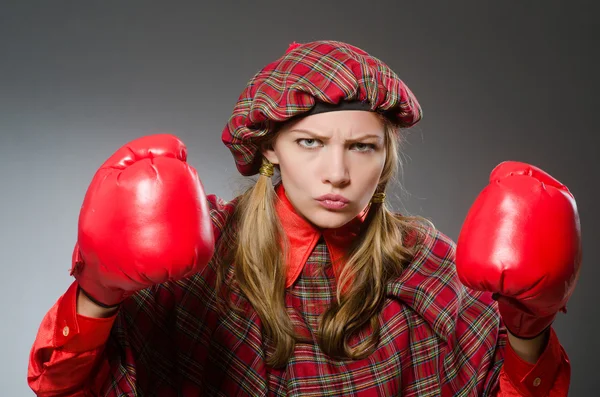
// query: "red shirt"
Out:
[438,337]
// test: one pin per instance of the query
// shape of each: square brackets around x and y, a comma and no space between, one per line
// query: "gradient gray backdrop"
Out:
[79,79]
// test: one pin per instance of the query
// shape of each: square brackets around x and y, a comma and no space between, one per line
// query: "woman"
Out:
[305,286]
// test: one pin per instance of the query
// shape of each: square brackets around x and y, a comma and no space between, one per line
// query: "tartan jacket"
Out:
[438,338]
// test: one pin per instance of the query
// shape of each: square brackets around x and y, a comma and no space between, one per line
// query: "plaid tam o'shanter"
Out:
[329,72]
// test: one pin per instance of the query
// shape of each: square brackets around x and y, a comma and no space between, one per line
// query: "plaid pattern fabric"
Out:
[438,338]
[321,71]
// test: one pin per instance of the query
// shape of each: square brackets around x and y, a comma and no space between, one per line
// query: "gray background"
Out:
[497,81]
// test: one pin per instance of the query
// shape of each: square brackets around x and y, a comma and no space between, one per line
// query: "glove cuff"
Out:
[97,302]
[100,295]
[522,324]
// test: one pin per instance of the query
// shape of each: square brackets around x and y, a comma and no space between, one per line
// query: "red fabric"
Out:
[303,237]
[79,362]
[544,378]
[68,351]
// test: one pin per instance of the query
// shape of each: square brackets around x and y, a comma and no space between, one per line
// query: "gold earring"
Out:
[266,168]
[378,198]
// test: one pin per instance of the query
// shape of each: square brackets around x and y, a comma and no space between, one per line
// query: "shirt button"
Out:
[66,331]
[537,382]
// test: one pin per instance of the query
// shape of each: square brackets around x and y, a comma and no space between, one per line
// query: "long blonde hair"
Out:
[377,256]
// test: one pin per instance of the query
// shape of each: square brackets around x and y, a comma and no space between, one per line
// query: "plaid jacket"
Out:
[438,339]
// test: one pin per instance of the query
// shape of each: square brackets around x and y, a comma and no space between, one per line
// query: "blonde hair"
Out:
[376,257]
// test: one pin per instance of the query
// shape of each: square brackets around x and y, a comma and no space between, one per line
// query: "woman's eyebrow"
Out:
[324,138]
[311,133]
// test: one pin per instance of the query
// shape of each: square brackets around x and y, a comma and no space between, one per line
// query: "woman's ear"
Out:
[268,152]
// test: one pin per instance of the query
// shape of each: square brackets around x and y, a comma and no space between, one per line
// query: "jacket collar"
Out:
[429,284]
[303,237]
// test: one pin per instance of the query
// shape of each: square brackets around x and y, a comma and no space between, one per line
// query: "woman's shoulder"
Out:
[221,212]
[426,240]
[431,265]
[428,282]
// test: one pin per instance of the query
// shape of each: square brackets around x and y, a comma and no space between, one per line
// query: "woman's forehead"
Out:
[347,122]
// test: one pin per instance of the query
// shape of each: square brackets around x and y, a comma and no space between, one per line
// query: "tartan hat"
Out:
[322,73]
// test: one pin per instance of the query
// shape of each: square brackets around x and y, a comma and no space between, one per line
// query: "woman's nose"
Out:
[335,168]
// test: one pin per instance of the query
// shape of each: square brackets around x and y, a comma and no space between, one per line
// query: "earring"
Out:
[266,168]
[378,198]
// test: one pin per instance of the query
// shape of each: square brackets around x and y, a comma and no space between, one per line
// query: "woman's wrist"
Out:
[86,307]
[529,350]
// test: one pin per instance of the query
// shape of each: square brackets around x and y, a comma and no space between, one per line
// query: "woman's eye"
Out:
[308,143]
[364,147]
[314,143]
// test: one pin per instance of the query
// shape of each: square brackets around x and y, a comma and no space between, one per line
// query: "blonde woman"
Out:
[308,284]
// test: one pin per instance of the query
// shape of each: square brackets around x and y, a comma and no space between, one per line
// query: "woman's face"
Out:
[330,164]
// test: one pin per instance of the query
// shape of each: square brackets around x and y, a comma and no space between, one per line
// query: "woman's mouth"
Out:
[333,201]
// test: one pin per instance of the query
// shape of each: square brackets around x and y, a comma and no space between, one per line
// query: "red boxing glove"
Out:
[521,240]
[144,220]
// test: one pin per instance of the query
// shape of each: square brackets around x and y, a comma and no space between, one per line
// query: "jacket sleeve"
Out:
[67,357]
[549,377]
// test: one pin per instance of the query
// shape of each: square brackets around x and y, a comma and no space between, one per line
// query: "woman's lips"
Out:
[333,201]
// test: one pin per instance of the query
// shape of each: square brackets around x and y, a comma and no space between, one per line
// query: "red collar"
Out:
[303,236]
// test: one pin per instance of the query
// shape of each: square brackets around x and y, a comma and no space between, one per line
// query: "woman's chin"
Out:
[330,219]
